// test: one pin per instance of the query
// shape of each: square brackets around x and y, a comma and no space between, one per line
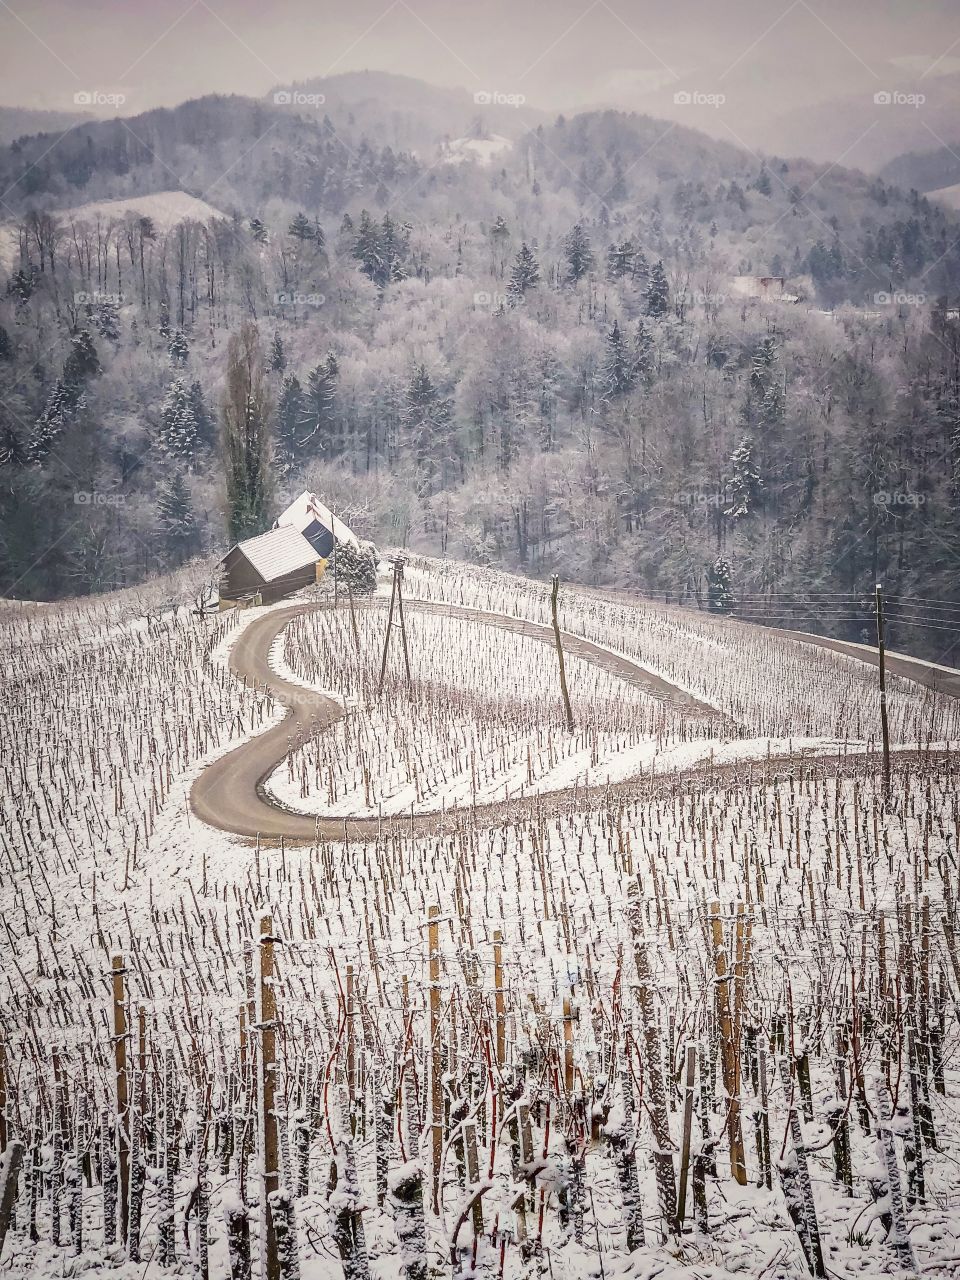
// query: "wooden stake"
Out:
[567,709]
[884,723]
[436,1062]
[123,1090]
[270,1260]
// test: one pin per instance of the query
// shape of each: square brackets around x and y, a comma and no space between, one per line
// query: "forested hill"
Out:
[549,360]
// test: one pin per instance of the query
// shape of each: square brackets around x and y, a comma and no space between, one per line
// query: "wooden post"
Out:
[270,1259]
[691,1068]
[9,1172]
[398,568]
[730,1055]
[567,709]
[568,1046]
[498,999]
[436,1064]
[386,638]
[123,1090]
[884,723]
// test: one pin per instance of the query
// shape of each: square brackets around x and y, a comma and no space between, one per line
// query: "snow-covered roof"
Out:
[307,509]
[278,552]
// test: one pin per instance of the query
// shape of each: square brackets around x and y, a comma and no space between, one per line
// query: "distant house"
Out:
[317,523]
[268,567]
[766,288]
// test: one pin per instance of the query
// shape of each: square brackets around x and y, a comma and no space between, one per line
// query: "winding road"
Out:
[230,793]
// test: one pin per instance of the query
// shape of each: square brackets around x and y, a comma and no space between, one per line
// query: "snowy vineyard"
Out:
[701,1024]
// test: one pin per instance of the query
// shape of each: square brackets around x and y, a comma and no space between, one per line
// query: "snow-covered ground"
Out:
[832,949]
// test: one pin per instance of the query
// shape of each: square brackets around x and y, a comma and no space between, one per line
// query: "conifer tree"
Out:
[178,349]
[178,427]
[290,422]
[578,253]
[177,519]
[246,435]
[278,358]
[619,365]
[745,484]
[719,586]
[657,296]
[82,361]
[258,230]
[524,275]
[301,228]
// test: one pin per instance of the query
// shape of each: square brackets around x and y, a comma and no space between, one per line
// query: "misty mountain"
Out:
[860,132]
[924,170]
[20,122]
[409,114]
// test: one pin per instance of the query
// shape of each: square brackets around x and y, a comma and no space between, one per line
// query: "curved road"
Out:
[230,792]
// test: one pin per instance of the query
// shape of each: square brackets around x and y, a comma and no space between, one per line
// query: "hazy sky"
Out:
[558,53]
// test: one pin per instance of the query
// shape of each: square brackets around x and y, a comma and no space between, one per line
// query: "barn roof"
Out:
[307,510]
[278,552]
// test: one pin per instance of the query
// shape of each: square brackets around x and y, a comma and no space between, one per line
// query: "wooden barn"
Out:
[268,567]
[317,523]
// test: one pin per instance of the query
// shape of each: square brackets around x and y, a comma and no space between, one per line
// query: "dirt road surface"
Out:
[229,794]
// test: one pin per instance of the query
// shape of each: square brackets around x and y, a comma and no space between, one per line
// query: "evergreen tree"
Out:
[178,427]
[106,319]
[393,250]
[176,518]
[318,400]
[278,359]
[82,361]
[301,228]
[578,253]
[163,322]
[658,292]
[620,260]
[258,231]
[367,249]
[763,183]
[290,421]
[763,365]
[644,354]
[14,449]
[356,567]
[62,405]
[426,417]
[745,485]
[524,275]
[619,366]
[6,346]
[719,586]
[201,415]
[178,349]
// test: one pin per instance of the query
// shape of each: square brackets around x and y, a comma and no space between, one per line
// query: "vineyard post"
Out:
[498,996]
[123,1095]
[691,1067]
[9,1172]
[398,569]
[884,723]
[270,1262]
[436,1066]
[567,709]
[386,638]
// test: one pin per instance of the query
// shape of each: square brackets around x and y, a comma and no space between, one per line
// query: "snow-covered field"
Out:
[482,1037]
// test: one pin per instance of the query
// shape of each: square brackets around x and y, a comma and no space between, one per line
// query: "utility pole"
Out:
[884,724]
